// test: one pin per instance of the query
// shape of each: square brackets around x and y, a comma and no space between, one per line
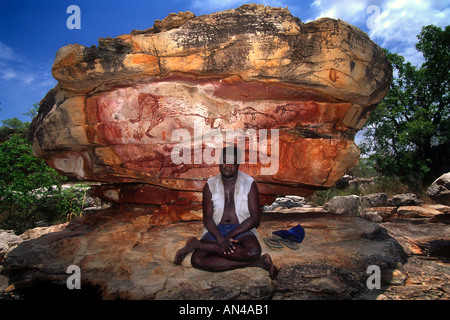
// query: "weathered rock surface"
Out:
[374,200]
[128,255]
[403,199]
[376,207]
[417,212]
[287,202]
[348,205]
[125,256]
[427,270]
[113,114]
[439,190]
[7,239]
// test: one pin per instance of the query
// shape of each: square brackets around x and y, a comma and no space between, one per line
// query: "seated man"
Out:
[230,216]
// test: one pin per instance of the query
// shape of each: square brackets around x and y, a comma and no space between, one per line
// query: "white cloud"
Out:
[352,11]
[344,10]
[16,70]
[7,53]
[396,24]
[400,22]
[28,78]
[8,74]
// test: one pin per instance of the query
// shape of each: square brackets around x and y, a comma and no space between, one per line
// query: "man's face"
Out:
[230,167]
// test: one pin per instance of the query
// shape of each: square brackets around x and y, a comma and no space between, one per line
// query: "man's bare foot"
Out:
[190,245]
[265,262]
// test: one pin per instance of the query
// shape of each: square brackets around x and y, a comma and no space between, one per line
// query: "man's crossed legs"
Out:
[209,256]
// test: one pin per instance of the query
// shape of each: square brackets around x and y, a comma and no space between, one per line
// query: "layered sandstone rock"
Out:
[296,92]
[125,256]
[128,255]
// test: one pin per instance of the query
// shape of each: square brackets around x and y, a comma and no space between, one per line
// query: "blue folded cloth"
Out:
[296,233]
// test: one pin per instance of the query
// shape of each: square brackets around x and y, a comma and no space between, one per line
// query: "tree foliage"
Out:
[16,126]
[20,170]
[414,117]
[30,191]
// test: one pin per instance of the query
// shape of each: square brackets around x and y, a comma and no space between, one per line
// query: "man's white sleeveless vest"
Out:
[241,190]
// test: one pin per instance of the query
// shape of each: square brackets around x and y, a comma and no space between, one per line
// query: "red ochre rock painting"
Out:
[146,113]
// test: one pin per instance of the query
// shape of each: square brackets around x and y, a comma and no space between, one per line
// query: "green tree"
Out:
[16,126]
[32,112]
[20,170]
[30,191]
[414,117]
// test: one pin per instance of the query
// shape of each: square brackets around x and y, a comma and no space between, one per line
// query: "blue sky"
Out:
[31,31]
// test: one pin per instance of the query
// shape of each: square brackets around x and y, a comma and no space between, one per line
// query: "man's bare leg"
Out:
[247,248]
[209,256]
[210,262]
[191,244]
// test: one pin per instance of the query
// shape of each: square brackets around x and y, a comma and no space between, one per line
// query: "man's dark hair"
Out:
[230,150]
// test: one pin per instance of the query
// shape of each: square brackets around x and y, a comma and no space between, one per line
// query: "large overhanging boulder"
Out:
[142,112]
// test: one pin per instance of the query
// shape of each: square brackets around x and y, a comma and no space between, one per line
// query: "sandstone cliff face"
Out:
[121,108]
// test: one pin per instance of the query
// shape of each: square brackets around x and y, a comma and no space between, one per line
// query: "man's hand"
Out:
[227,245]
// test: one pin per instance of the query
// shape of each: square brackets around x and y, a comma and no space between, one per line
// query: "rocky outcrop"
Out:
[122,108]
[127,253]
[348,205]
[439,190]
[7,239]
[375,200]
[377,207]
[287,202]
[426,273]
[403,199]
[126,257]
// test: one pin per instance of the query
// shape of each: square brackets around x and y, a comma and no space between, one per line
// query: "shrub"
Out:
[30,191]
